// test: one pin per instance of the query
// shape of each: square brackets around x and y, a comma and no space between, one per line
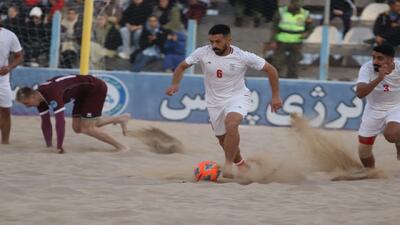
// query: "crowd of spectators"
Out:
[137,30]
[143,31]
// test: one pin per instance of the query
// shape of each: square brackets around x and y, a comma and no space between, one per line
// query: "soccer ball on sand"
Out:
[207,171]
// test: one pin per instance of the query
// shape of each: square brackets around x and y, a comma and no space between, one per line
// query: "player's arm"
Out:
[177,77]
[363,89]
[60,130]
[47,128]
[16,59]
[276,102]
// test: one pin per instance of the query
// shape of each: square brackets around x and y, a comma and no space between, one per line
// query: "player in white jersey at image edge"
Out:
[9,46]
[379,82]
[227,97]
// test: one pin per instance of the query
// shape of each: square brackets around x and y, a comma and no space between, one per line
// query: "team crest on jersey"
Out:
[53,104]
[117,95]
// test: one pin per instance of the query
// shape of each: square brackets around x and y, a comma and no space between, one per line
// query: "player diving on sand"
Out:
[89,94]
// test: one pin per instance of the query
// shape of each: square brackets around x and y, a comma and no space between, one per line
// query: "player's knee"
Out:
[231,125]
[392,136]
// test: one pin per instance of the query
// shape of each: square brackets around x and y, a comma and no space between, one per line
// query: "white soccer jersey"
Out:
[8,43]
[224,75]
[386,94]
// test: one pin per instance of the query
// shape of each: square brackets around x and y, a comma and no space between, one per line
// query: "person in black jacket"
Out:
[14,21]
[151,44]
[387,25]
[342,9]
[37,38]
[132,22]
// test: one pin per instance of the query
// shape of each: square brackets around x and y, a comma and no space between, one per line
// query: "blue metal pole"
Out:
[191,40]
[55,40]
[324,53]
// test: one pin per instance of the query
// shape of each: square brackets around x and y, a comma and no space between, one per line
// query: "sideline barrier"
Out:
[326,104]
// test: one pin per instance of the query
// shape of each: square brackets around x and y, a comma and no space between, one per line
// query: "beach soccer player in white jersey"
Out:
[379,81]
[9,46]
[227,97]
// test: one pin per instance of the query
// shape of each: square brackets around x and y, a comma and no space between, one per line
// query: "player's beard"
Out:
[220,51]
[376,67]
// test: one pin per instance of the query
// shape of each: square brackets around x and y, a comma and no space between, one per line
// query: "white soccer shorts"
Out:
[5,96]
[239,104]
[373,121]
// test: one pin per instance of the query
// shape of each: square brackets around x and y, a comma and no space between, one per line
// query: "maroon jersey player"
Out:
[88,94]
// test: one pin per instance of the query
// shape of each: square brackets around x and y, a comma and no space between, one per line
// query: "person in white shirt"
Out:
[227,97]
[379,81]
[8,44]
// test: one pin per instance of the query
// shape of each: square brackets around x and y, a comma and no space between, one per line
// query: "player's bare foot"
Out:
[123,121]
[227,171]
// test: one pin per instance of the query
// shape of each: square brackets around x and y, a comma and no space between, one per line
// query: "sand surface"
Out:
[91,184]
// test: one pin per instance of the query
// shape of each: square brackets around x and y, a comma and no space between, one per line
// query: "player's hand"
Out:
[4,70]
[384,70]
[172,89]
[276,103]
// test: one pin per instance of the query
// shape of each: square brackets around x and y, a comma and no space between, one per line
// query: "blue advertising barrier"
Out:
[326,104]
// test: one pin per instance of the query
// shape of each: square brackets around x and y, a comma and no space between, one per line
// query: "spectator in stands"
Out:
[244,7]
[196,10]
[54,5]
[70,30]
[14,22]
[37,39]
[387,25]
[169,15]
[152,42]
[343,9]
[132,22]
[5,5]
[106,40]
[291,25]
[75,4]
[174,50]
[111,8]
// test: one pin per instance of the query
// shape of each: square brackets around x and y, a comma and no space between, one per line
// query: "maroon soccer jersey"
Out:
[88,93]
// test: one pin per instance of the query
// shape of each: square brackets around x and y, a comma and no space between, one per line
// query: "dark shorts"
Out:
[91,104]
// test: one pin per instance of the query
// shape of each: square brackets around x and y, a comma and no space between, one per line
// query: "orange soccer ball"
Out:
[207,171]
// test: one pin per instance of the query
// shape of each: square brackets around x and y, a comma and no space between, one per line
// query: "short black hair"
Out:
[385,49]
[220,29]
